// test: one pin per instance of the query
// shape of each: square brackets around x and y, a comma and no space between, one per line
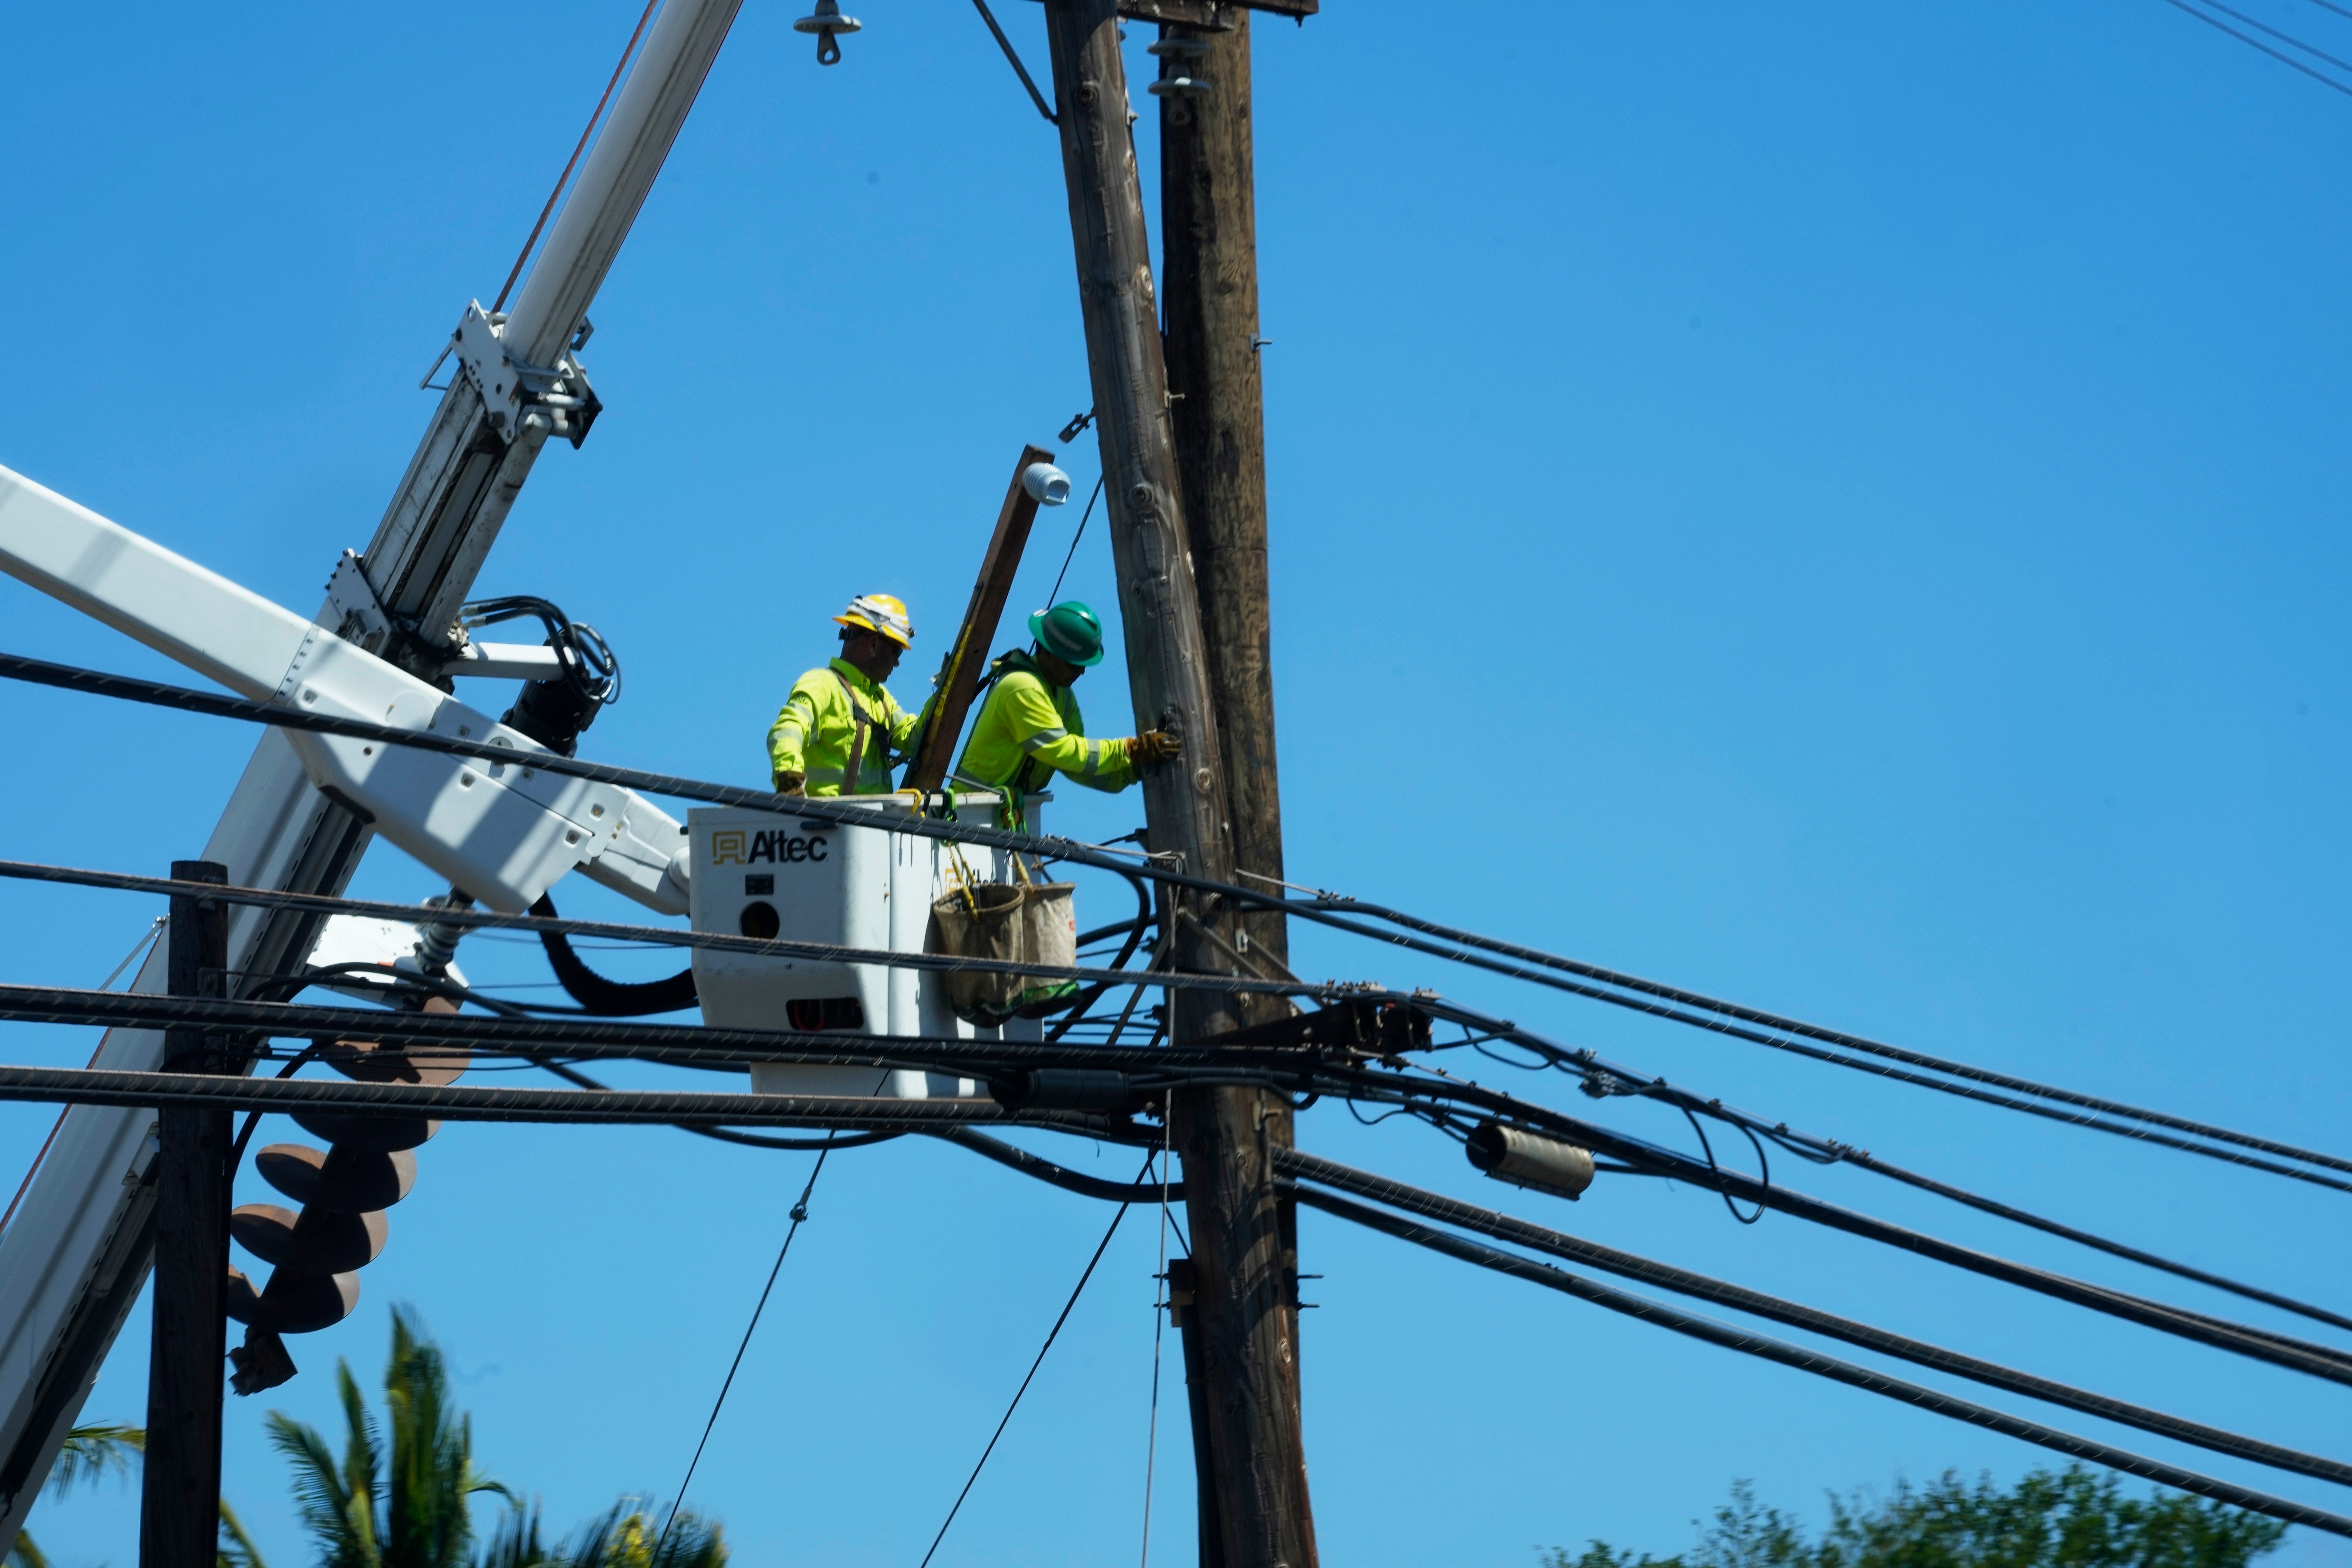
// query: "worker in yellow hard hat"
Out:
[840,729]
[1030,727]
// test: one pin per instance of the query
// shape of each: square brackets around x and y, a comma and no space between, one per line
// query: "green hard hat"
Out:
[1069,630]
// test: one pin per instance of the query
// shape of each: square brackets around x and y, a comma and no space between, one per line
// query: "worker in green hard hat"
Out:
[1030,727]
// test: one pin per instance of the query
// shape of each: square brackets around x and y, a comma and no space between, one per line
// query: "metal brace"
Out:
[352,598]
[548,400]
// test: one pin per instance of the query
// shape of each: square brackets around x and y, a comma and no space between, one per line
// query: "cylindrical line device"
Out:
[1530,1160]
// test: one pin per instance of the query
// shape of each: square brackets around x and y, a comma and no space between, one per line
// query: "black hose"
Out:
[609,998]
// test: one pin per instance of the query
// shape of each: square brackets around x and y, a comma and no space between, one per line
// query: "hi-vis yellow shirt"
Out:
[817,726]
[1029,730]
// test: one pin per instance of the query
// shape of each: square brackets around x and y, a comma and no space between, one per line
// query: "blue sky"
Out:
[1842,508]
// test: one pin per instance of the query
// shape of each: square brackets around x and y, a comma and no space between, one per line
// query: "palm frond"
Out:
[629,1535]
[92,1453]
[428,1517]
[340,1520]
[516,1543]
[237,1548]
[24,1554]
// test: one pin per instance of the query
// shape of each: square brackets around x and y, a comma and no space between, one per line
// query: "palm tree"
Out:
[414,1512]
[412,1506]
[90,1454]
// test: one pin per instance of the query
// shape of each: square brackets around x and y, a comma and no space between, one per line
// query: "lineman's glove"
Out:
[1153,746]
[789,783]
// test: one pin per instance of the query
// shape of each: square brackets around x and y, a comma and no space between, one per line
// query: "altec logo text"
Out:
[734,847]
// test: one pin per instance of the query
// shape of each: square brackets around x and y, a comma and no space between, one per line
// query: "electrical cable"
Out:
[2284,38]
[1051,1334]
[1613,1079]
[668,936]
[678,1043]
[798,1215]
[154,929]
[1019,70]
[69,678]
[1081,533]
[1061,1176]
[2260,1344]
[1827,1367]
[669,1107]
[41,672]
[585,132]
[1625,982]
[1162,1303]
[1739,1298]
[2318,76]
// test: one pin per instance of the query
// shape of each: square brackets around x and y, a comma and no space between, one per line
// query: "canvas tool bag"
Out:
[1009,922]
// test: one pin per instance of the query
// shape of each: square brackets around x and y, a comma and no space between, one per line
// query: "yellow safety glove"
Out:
[789,783]
[1153,746]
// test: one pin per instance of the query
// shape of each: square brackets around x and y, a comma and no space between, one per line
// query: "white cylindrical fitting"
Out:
[1047,484]
[1530,1160]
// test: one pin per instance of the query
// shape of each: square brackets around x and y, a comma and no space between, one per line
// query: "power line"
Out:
[1081,533]
[1827,1367]
[1721,1293]
[1321,910]
[1051,1334]
[1163,1298]
[2282,37]
[2252,43]
[800,1214]
[1018,68]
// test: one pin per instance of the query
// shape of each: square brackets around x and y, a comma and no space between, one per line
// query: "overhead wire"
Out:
[1831,1367]
[154,929]
[1051,1335]
[1163,1302]
[1686,1282]
[1603,1076]
[1475,951]
[2253,43]
[799,1218]
[1018,68]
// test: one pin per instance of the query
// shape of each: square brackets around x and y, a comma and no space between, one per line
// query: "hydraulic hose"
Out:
[608,998]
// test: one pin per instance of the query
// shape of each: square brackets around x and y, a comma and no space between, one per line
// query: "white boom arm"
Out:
[501,832]
[73,1258]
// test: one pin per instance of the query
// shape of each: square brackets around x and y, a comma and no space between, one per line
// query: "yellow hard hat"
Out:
[881,614]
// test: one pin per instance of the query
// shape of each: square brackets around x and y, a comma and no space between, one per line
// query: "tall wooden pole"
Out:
[179,1515]
[1244,1301]
[1208,207]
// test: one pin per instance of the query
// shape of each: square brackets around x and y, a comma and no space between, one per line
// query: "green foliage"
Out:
[2074,1517]
[88,1456]
[629,1535]
[401,1496]
[407,1508]
[237,1548]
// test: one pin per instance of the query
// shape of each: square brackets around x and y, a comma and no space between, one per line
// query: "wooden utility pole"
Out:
[179,1515]
[1243,1290]
[1208,209]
